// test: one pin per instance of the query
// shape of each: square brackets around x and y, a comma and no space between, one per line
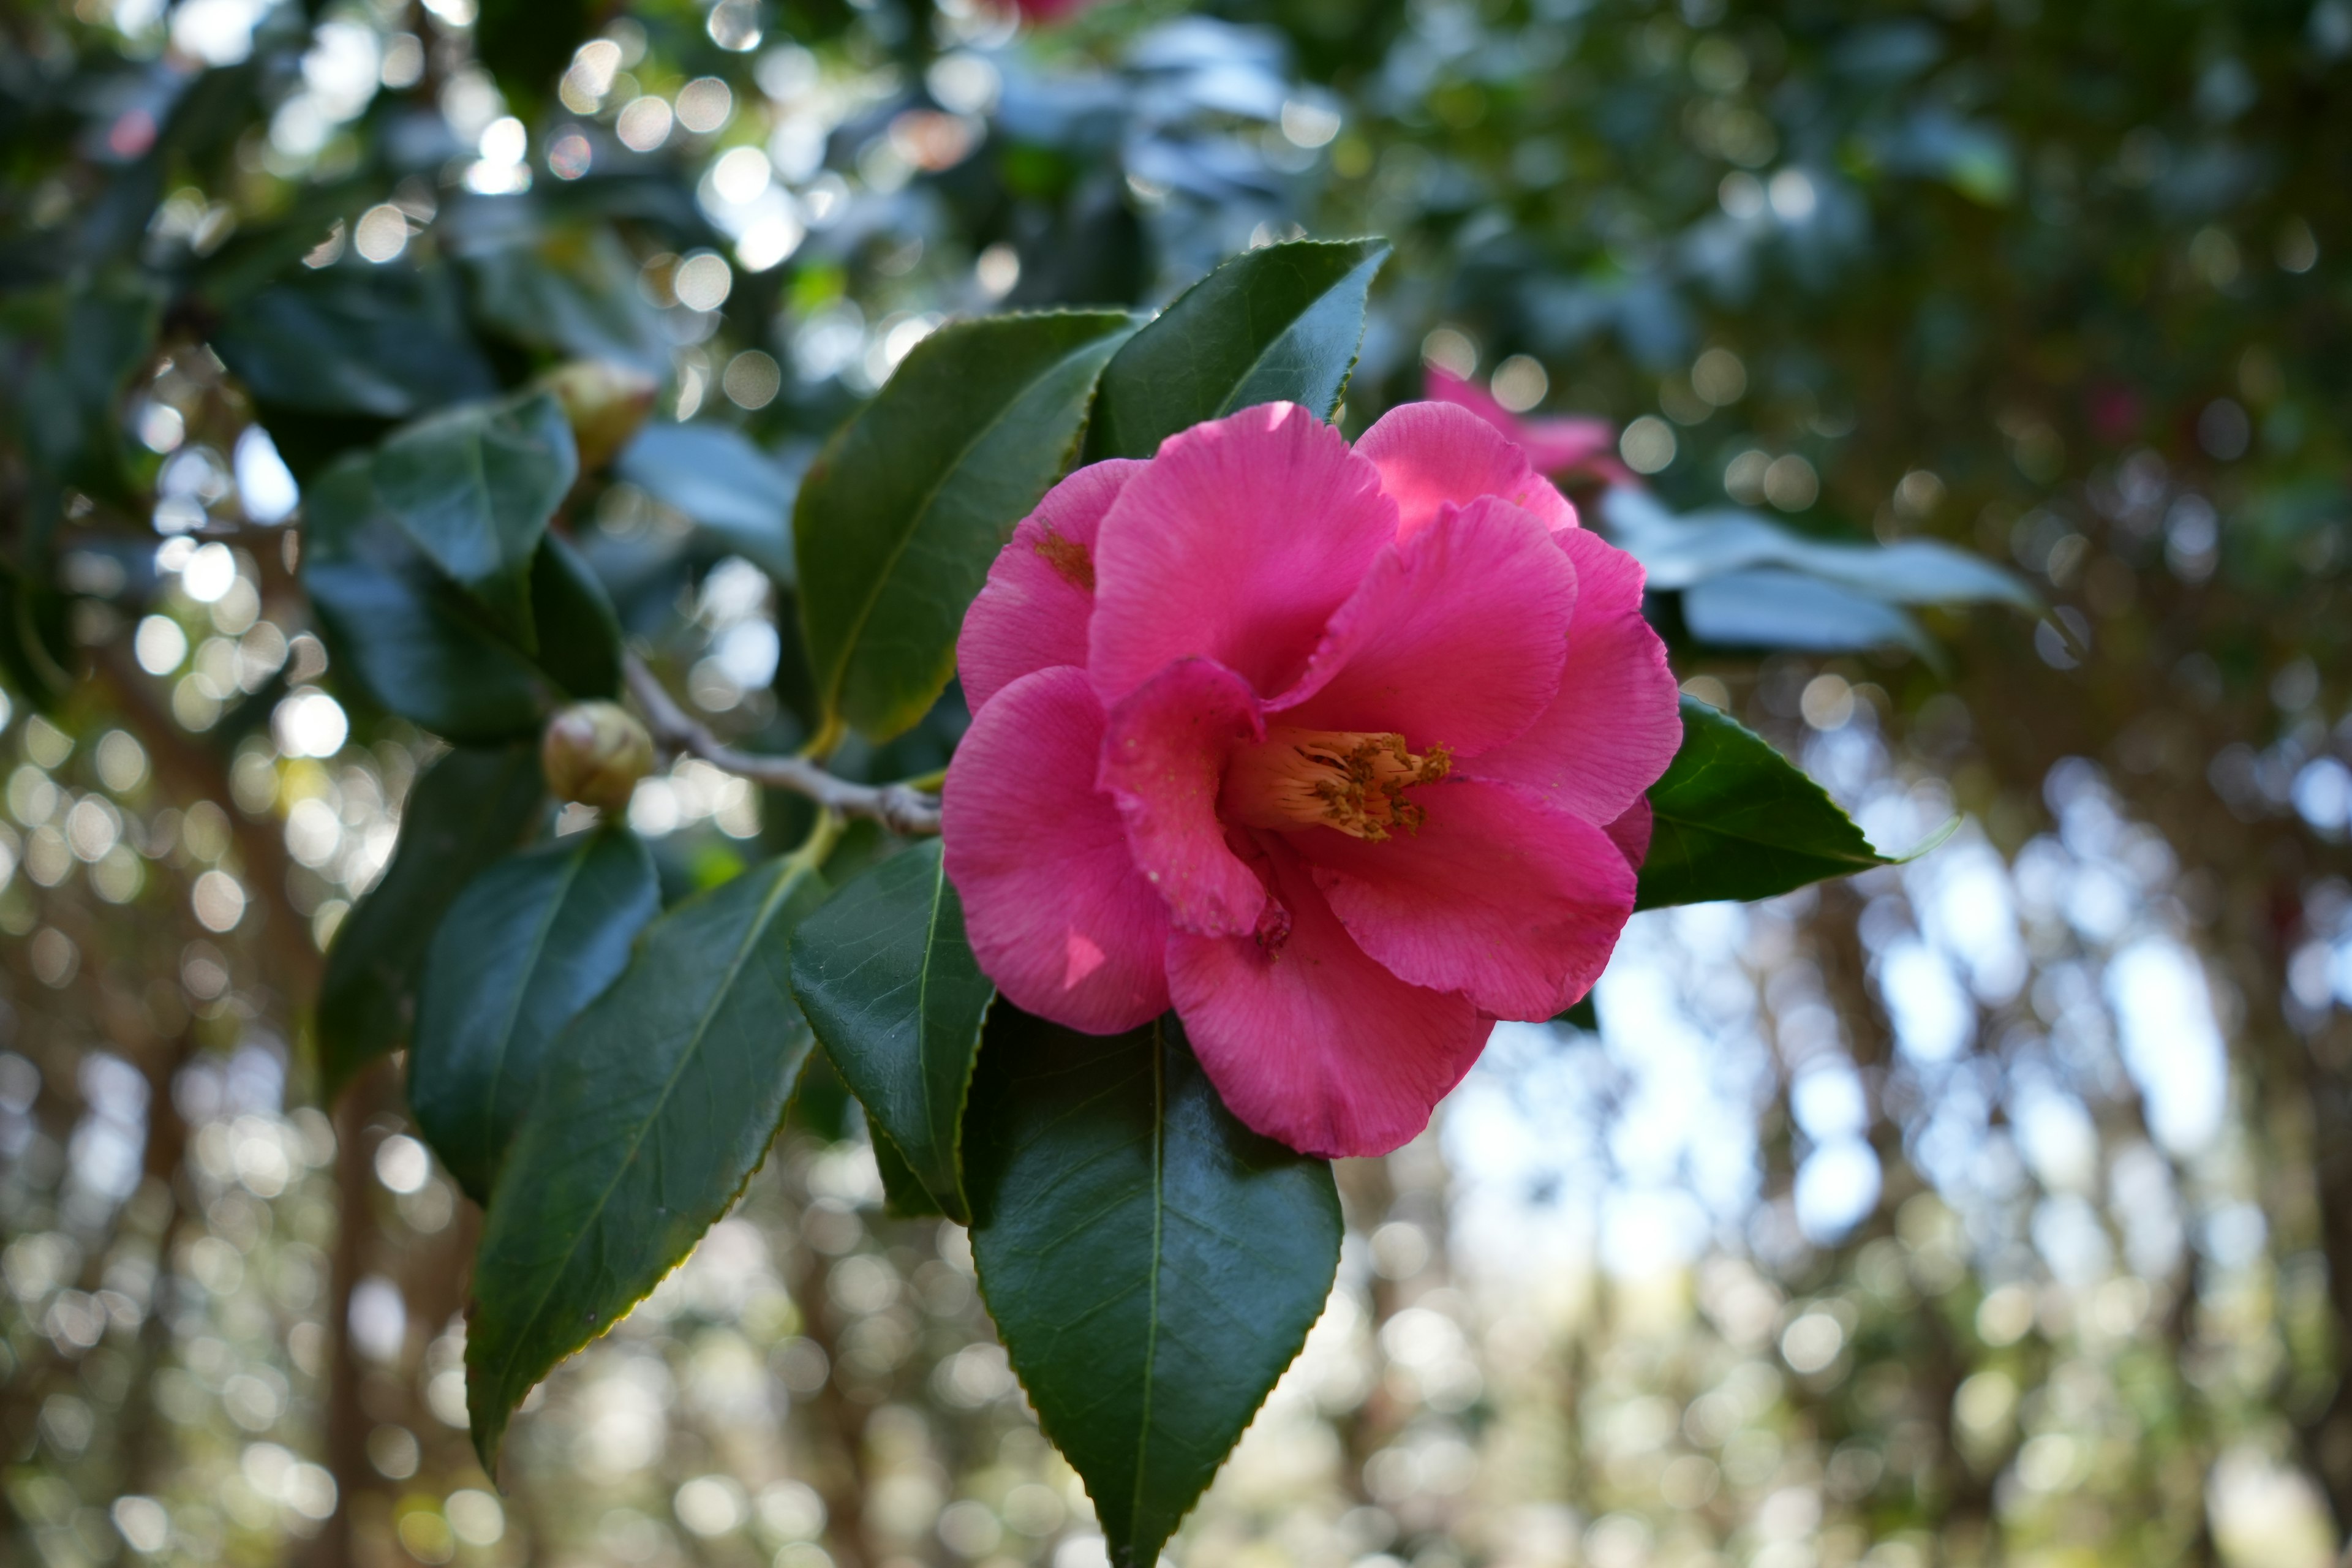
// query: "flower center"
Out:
[1348,779]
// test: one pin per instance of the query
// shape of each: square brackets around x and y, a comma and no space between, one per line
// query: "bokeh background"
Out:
[1992,1208]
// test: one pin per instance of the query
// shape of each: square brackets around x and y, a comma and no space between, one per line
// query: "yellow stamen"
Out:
[1348,779]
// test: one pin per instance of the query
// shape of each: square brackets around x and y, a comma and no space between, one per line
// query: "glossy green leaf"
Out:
[416,644]
[579,631]
[904,1196]
[384,342]
[469,809]
[527,945]
[1151,1264]
[1277,324]
[475,487]
[1735,819]
[896,997]
[897,521]
[672,1084]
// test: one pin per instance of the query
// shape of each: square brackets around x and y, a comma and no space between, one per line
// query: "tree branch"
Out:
[900,807]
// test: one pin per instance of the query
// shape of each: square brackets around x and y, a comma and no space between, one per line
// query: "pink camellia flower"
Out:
[1554,445]
[1340,753]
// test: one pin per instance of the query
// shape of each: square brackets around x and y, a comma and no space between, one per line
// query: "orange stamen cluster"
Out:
[1347,779]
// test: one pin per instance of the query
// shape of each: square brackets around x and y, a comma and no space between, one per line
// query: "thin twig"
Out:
[896,807]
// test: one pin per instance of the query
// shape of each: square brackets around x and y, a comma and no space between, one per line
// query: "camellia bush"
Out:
[1292,766]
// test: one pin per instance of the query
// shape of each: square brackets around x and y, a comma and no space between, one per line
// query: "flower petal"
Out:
[1553,445]
[1055,909]
[1040,595]
[1163,761]
[1236,543]
[1431,453]
[1617,722]
[1514,904]
[1308,1040]
[1452,640]
[1631,832]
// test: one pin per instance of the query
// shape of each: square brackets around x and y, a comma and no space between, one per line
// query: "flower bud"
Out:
[594,752]
[605,404]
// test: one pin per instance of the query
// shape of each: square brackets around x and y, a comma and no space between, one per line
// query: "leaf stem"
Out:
[896,807]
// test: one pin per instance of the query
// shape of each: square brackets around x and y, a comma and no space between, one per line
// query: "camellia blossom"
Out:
[1339,751]
[1555,445]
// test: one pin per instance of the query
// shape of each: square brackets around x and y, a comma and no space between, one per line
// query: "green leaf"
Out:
[411,639]
[474,487]
[673,1083]
[527,945]
[1277,324]
[1151,1264]
[904,1196]
[579,632]
[384,342]
[1735,819]
[896,999]
[571,290]
[897,521]
[470,808]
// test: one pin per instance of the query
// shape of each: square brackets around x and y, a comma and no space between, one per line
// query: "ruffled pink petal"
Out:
[1617,722]
[1055,910]
[1163,762]
[1554,445]
[1452,640]
[1431,453]
[1040,595]
[1236,543]
[1308,1040]
[1514,904]
[1631,832]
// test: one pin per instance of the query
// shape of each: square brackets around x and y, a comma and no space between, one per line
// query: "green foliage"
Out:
[897,521]
[473,487]
[421,647]
[527,945]
[387,342]
[896,999]
[1151,1264]
[1280,323]
[666,1092]
[1735,819]
[467,811]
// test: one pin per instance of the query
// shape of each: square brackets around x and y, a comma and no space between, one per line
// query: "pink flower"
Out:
[1340,753]
[1554,447]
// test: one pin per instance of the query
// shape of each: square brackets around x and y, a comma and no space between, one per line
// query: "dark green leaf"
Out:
[579,634]
[1151,1264]
[897,521]
[1735,819]
[896,997]
[1277,324]
[527,945]
[469,809]
[673,1083]
[386,341]
[411,639]
[474,487]
[904,1196]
